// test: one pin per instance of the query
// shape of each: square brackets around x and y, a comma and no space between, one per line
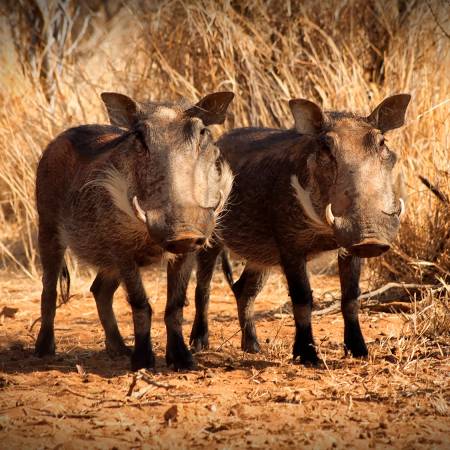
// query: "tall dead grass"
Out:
[346,55]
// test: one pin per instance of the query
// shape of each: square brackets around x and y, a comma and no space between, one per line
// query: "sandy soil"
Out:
[398,398]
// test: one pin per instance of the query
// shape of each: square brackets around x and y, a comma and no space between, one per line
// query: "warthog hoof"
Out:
[117,348]
[357,348]
[307,355]
[180,357]
[250,344]
[142,360]
[199,343]
[45,343]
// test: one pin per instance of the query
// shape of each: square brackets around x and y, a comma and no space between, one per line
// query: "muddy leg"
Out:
[142,356]
[206,261]
[52,254]
[301,297]
[103,288]
[349,272]
[178,274]
[245,290]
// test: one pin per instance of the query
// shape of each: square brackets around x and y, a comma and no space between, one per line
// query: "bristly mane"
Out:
[91,141]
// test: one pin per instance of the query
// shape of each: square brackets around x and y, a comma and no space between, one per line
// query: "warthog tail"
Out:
[64,283]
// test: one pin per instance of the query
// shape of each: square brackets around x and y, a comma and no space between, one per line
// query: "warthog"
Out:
[326,184]
[122,199]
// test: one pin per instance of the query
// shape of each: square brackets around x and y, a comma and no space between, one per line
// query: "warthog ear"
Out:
[309,118]
[390,113]
[212,108]
[122,110]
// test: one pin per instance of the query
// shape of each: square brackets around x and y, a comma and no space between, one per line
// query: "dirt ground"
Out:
[398,398]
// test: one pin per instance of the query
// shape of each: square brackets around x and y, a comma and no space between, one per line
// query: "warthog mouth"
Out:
[183,241]
[369,248]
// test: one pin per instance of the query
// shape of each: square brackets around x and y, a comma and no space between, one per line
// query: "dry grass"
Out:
[267,53]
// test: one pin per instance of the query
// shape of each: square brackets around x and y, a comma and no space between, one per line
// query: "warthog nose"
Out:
[185,243]
[369,248]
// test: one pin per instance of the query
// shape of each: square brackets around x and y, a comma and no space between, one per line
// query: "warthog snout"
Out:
[369,248]
[380,227]
[174,239]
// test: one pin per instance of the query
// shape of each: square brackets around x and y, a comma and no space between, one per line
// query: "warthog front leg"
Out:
[52,254]
[301,297]
[246,290]
[142,356]
[103,288]
[349,272]
[206,261]
[178,274]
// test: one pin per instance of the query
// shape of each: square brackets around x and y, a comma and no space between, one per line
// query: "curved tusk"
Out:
[140,213]
[402,208]
[329,215]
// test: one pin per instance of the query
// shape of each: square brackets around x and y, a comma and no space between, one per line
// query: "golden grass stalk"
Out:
[267,53]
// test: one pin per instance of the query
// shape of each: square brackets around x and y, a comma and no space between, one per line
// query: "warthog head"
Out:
[350,173]
[175,183]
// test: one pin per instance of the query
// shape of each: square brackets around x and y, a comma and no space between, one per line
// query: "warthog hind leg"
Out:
[246,290]
[103,288]
[52,254]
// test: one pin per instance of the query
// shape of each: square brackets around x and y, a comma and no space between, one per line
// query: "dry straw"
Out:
[345,55]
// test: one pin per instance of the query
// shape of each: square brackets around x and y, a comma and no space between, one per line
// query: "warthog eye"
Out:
[327,142]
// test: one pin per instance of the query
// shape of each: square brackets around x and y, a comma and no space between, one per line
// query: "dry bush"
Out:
[425,332]
[345,55]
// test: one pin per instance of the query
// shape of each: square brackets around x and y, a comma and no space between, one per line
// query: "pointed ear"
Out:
[390,113]
[212,108]
[122,110]
[309,118]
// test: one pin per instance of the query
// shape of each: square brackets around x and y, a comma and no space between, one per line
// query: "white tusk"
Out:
[139,211]
[329,215]
[402,208]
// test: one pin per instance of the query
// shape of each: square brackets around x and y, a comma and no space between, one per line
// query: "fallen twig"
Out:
[392,307]
[377,294]
[388,286]
[227,340]
[143,376]
[88,397]
[132,385]
[64,414]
